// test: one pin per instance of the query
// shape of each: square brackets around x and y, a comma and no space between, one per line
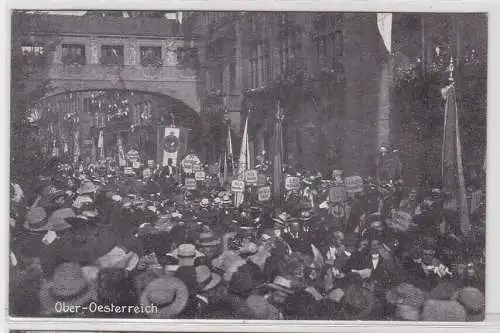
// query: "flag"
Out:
[76,145]
[230,148]
[93,151]
[242,163]
[384,24]
[278,153]
[452,168]
[100,145]
[224,179]
[121,153]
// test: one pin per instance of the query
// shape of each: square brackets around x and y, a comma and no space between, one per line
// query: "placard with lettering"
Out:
[146,173]
[151,163]
[353,184]
[128,171]
[199,175]
[251,177]
[190,184]
[401,220]
[238,186]
[122,163]
[264,193]
[136,165]
[292,183]
[338,194]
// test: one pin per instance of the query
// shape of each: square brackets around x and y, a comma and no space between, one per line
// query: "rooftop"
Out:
[98,25]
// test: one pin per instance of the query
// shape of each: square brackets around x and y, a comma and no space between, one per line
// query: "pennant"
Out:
[277,153]
[452,168]
[242,163]
[384,23]
[230,149]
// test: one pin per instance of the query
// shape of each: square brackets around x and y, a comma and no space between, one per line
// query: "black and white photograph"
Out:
[248,165]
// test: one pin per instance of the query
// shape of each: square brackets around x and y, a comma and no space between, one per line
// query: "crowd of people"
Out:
[99,237]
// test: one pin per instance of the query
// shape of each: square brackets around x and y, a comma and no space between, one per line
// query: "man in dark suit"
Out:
[373,269]
[169,170]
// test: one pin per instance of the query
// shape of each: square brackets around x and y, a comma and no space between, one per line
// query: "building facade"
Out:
[334,78]
[253,61]
[127,76]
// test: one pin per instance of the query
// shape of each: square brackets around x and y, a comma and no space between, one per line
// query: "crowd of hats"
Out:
[80,239]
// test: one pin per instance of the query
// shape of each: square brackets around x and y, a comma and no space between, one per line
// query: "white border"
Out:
[492,323]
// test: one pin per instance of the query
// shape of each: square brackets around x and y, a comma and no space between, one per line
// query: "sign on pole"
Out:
[128,171]
[238,186]
[264,193]
[199,175]
[190,184]
[251,177]
[338,194]
[401,220]
[292,183]
[353,184]
[146,173]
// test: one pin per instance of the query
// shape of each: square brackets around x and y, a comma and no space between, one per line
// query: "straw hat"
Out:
[208,238]
[87,188]
[284,219]
[280,283]
[68,285]
[444,311]
[305,216]
[226,200]
[407,312]
[207,279]
[204,202]
[36,219]
[169,294]
[406,294]
[261,309]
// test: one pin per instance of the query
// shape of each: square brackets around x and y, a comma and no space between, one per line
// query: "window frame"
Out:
[121,57]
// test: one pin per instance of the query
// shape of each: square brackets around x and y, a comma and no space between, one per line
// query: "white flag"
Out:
[384,23]
[242,163]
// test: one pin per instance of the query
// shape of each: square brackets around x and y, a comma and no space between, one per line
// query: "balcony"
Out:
[100,72]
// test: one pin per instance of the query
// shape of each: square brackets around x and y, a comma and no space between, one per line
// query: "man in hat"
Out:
[425,270]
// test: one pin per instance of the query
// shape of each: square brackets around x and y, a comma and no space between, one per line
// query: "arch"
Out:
[182,90]
[191,113]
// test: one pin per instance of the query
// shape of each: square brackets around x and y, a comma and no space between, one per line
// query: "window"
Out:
[112,55]
[338,43]
[32,54]
[232,72]
[264,61]
[32,50]
[151,56]
[289,48]
[254,67]
[73,54]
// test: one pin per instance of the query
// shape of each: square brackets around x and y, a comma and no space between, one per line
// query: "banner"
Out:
[171,145]
[452,168]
